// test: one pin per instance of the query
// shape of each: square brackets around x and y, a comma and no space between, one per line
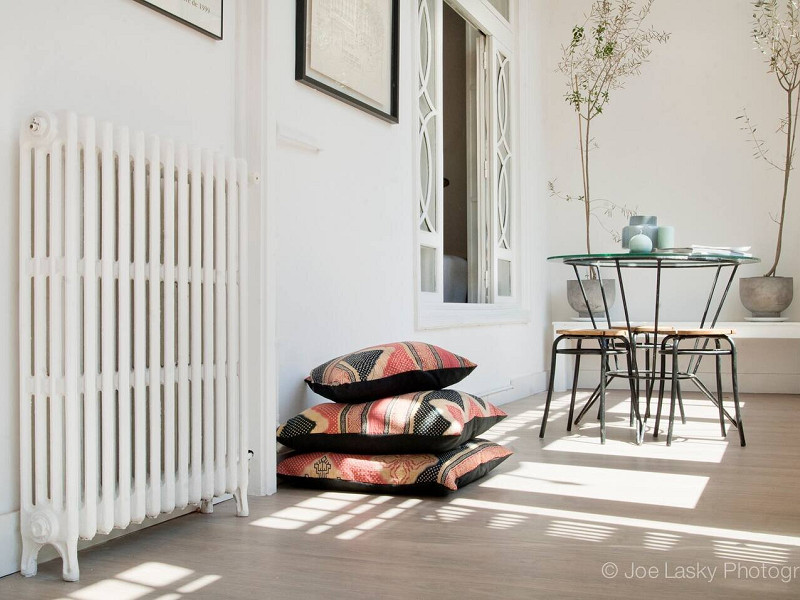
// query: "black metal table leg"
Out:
[680,405]
[635,405]
[662,379]
[603,358]
[633,365]
[589,404]
[655,319]
[574,385]
[550,387]
[735,382]
[718,360]
[585,297]
[674,391]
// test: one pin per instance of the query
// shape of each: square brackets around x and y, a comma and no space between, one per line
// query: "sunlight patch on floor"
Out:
[620,485]
[147,579]
[686,445]
[525,421]
[658,540]
[112,588]
[758,553]
[155,574]
[506,521]
[449,514]
[324,513]
[699,440]
[577,530]
[695,408]
[721,534]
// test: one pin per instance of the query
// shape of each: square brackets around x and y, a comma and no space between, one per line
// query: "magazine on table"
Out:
[743,251]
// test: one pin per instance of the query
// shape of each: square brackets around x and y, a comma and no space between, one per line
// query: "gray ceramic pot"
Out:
[766,297]
[595,297]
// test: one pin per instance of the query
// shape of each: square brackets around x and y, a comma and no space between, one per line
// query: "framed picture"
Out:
[203,15]
[349,50]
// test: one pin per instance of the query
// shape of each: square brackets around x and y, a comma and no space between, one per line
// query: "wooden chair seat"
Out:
[705,332]
[662,329]
[593,332]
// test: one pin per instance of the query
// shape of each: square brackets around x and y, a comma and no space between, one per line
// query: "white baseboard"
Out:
[11,542]
[517,388]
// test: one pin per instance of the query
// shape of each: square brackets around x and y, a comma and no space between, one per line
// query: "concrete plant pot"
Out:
[593,294]
[766,297]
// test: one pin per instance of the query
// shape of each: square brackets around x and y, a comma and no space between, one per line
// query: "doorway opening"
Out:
[465,227]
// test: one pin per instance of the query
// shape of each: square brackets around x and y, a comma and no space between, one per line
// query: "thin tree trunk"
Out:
[586,197]
[583,177]
[786,172]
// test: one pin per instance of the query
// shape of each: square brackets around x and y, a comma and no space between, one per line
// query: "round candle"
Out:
[640,244]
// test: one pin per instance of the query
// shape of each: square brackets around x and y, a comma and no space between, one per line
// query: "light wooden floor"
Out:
[543,525]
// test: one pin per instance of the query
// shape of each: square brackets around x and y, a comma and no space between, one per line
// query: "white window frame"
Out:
[431,310]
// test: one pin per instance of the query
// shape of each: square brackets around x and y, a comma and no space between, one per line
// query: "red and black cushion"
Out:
[434,421]
[394,473]
[388,370]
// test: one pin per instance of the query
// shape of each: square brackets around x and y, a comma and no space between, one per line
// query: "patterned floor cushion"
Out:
[434,421]
[388,370]
[394,473]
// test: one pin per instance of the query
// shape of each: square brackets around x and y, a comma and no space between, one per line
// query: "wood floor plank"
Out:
[542,525]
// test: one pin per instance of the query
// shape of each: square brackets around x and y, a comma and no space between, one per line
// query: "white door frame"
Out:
[258,369]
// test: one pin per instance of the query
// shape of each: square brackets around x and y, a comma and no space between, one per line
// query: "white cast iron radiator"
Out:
[129,331]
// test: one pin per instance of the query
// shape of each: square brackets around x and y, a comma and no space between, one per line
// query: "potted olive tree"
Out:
[776,33]
[608,49]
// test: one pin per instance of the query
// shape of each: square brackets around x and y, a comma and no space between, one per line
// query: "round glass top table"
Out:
[658,261]
[651,260]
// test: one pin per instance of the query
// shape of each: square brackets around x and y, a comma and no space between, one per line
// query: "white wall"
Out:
[343,221]
[116,60]
[670,144]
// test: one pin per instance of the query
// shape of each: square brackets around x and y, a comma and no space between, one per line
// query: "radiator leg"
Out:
[30,553]
[69,559]
[240,495]
[206,507]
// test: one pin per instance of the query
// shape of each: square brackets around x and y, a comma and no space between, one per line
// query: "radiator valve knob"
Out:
[42,127]
[39,125]
[43,526]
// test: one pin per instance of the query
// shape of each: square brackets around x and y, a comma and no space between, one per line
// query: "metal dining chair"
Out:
[611,342]
[671,345]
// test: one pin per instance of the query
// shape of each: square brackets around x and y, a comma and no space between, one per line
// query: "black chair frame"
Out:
[671,346]
[619,345]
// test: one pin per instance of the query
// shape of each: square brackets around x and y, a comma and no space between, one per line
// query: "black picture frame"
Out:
[194,26]
[342,92]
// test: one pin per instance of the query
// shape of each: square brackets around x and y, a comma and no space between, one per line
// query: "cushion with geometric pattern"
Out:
[393,473]
[434,421]
[388,370]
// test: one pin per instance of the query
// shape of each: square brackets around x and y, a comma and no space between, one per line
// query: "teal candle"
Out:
[665,236]
[640,244]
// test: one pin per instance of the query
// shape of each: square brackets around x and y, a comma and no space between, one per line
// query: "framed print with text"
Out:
[203,15]
[349,50]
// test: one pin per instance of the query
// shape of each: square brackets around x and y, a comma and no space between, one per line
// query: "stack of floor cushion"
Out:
[391,427]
